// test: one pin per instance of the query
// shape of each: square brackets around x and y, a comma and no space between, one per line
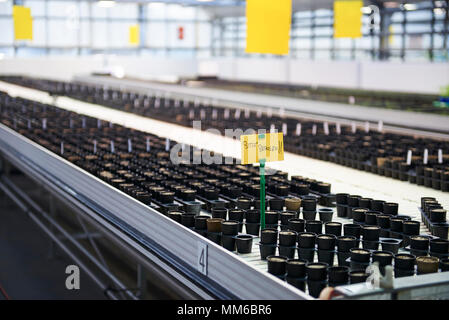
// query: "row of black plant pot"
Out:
[433,215]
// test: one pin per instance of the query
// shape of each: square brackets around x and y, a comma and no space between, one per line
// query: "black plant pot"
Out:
[288,252]
[252,216]
[316,271]
[221,213]
[309,215]
[346,243]
[268,236]
[338,275]
[326,241]
[410,228]
[244,243]
[357,276]
[175,215]
[252,228]
[444,265]
[326,256]
[299,283]
[287,215]
[358,214]
[306,254]
[390,208]
[267,250]
[314,226]
[342,198]
[342,210]
[342,258]
[333,228]
[377,205]
[439,246]
[384,258]
[325,214]
[287,238]
[188,220]
[200,222]
[437,215]
[419,243]
[271,217]
[236,215]
[371,233]
[315,287]
[440,230]
[353,230]
[277,265]
[230,228]
[296,268]
[383,221]
[391,245]
[399,273]
[371,218]
[404,261]
[276,204]
[353,200]
[370,245]
[309,204]
[214,237]
[296,224]
[360,255]
[228,242]
[306,240]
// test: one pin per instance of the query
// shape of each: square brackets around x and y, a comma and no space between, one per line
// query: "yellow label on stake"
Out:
[23,23]
[134,34]
[255,147]
[268,24]
[348,19]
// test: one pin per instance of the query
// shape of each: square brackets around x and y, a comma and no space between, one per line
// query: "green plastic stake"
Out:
[262,193]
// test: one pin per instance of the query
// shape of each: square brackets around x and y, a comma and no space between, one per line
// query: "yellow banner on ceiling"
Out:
[23,23]
[348,19]
[134,34]
[255,147]
[268,24]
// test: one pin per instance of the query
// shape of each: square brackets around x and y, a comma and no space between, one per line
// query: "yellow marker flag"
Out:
[348,19]
[268,25]
[256,147]
[134,34]
[23,23]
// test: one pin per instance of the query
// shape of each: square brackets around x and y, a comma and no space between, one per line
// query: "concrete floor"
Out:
[26,269]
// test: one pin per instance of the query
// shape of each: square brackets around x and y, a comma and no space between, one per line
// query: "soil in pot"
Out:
[287,238]
[296,268]
[325,214]
[244,243]
[353,230]
[333,228]
[214,224]
[277,265]
[427,264]
[316,271]
[314,226]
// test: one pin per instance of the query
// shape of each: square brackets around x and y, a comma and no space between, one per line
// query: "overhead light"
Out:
[365,10]
[106,3]
[410,6]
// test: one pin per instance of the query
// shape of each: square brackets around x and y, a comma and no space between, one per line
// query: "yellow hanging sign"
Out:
[256,147]
[134,34]
[23,23]
[268,24]
[348,19]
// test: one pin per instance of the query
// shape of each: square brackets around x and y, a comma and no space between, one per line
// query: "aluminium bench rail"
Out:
[150,233]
